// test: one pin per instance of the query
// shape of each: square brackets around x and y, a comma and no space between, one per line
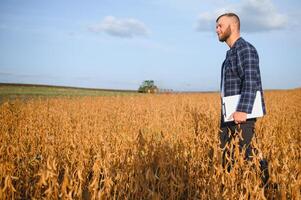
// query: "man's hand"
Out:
[239,117]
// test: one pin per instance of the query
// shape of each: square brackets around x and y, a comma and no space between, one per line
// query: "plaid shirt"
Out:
[241,75]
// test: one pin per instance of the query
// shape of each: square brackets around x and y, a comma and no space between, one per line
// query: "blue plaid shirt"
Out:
[241,75]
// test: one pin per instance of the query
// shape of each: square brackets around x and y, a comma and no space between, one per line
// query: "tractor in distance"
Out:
[148,86]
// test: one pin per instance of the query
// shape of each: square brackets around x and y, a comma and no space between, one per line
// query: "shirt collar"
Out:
[234,46]
[236,43]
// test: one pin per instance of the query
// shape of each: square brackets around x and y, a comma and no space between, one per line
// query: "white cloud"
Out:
[255,16]
[126,28]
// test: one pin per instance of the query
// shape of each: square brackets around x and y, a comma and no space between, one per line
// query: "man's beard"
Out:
[225,35]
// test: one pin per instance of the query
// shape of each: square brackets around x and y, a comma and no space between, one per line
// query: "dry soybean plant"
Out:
[143,147]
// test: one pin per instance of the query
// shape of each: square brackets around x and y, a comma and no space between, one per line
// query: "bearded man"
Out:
[240,75]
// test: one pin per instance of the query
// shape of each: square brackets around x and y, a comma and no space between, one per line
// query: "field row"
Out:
[143,147]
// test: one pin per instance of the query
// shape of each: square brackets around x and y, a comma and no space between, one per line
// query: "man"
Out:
[240,75]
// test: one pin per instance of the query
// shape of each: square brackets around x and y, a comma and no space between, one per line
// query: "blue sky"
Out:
[118,44]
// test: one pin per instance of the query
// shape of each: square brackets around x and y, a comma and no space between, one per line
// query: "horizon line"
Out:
[124,90]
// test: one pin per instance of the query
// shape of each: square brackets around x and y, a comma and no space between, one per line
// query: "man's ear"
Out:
[234,27]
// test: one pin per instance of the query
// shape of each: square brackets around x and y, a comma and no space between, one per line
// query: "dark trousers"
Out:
[229,131]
